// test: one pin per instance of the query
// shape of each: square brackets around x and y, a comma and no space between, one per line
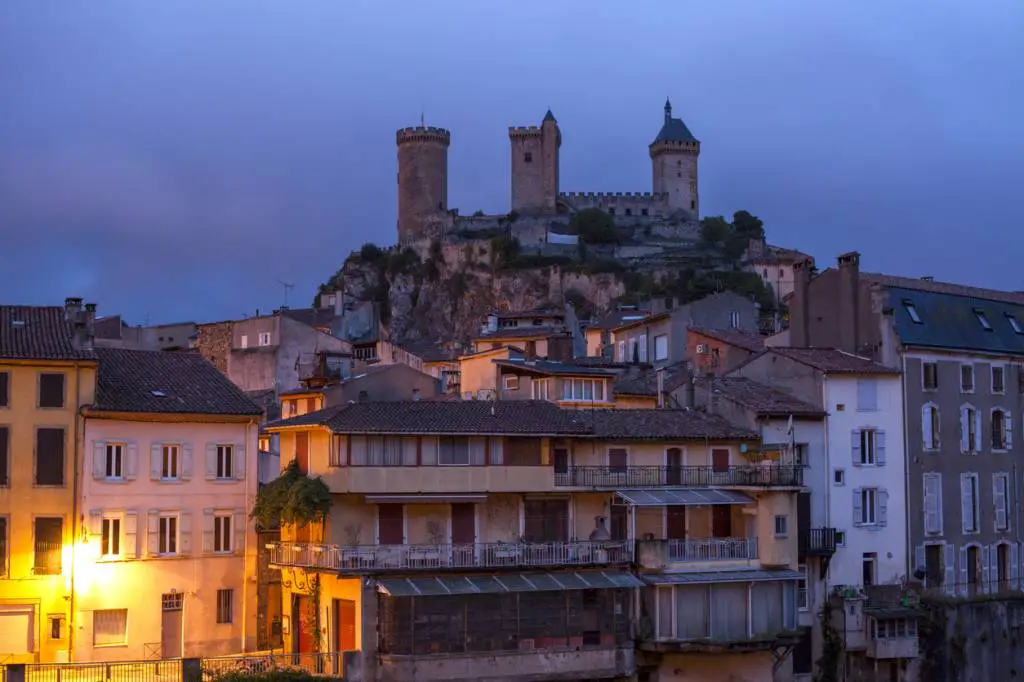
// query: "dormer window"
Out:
[912,311]
[980,314]
[1014,324]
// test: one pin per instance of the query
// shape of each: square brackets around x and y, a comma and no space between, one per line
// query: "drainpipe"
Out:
[249,471]
[74,513]
[828,471]
[906,473]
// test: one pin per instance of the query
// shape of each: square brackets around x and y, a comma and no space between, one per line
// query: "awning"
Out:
[506,582]
[688,497]
[754,576]
[423,499]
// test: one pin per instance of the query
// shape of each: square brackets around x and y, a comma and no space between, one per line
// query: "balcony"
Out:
[662,554]
[905,646]
[403,480]
[693,476]
[818,542]
[490,555]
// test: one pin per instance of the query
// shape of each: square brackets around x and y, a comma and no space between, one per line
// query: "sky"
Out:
[179,160]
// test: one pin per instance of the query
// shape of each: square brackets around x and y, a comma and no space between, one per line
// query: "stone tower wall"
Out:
[422,178]
[535,167]
[674,166]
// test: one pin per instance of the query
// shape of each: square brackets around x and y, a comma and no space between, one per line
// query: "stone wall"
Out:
[972,641]
[214,343]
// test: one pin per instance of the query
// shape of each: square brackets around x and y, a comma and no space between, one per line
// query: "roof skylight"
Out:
[985,324]
[1015,323]
[912,311]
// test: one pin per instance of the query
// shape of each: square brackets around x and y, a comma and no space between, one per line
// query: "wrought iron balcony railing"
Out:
[373,558]
[780,475]
[658,554]
[818,542]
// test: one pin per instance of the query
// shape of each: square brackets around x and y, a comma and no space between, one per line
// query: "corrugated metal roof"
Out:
[754,576]
[507,582]
[952,321]
[690,497]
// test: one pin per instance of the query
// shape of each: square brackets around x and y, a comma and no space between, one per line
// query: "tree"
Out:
[714,230]
[292,498]
[370,252]
[750,226]
[594,226]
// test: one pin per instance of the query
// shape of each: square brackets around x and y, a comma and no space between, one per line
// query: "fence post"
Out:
[15,672]
[191,670]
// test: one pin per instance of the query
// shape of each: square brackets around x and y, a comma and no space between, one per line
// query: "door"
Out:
[803,521]
[303,625]
[170,624]
[344,628]
[561,461]
[302,451]
[674,466]
[17,629]
[721,521]
[546,520]
[720,467]
[620,522]
[675,523]
[464,534]
[390,524]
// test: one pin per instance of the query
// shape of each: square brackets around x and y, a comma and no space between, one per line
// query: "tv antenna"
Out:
[287,287]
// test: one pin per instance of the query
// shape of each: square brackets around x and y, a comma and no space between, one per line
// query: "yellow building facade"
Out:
[46,377]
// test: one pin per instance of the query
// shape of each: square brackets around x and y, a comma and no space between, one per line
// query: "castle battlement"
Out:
[525,131]
[423,134]
[633,197]
[691,147]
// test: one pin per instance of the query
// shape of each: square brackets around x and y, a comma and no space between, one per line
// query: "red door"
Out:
[721,521]
[390,524]
[675,523]
[344,625]
[303,625]
[302,451]
[463,524]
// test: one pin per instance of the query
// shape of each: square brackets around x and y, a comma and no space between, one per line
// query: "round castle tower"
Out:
[674,154]
[422,177]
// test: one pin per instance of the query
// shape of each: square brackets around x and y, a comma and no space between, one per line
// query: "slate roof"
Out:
[763,399]
[951,321]
[38,333]
[662,425]
[523,333]
[509,417]
[167,383]
[831,360]
[918,284]
[553,368]
[674,130]
[734,337]
[645,383]
[532,312]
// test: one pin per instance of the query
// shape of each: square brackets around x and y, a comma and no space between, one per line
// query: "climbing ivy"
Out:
[831,646]
[292,498]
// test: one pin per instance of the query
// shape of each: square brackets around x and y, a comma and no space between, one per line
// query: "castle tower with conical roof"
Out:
[674,155]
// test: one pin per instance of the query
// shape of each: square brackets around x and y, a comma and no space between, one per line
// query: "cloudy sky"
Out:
[176,159]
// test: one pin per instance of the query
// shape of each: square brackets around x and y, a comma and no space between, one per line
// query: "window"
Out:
[3,545]
[970,429]
[930,426]
[5,447]
[930,376]
[225,461]
[969,506]
[169,462]
[222,534]
[661,347]
[983,320]
[453,451]
[869,507]
[245,341]
[932,503]
[869,447]
[629,211]
[967,378]
[644,211]
[541,389]
[802,598]
[224,606]
[642,348]
[867,395]
[912,312]
[109,627]
[5,389]
[934,567]
[114,467]
[168,529]
[511,382]
[998,379]
[55,627]
[528,157]
[781,526]
[622,351]
[734,319]
[264,338]
[1014,324]
[1000,492]
[583,389]
[611,211]
[841,538]
[1000,429]
[110,537]
[49,544]
[839,477]
[870,565]
[50,457]
[51,390]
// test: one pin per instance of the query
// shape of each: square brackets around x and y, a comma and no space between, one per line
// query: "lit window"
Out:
[1015,324]
[110,539]
[980,314]
[168,535]
[244,341]
[912,311]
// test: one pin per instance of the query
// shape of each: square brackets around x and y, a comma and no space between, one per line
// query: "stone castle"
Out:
[671,207]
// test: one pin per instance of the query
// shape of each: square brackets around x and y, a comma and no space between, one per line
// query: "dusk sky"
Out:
[174,160]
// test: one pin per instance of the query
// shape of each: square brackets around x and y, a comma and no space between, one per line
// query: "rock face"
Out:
[448,294]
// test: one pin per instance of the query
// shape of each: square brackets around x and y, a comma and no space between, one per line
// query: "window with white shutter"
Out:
[930,426]
[932,503]
[969,502]
[949,566]
[1000,492]
[970,429]
[999,430]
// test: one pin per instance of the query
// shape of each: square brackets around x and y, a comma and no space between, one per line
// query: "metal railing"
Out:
[712,549]
[642,476]
[369,558]
[818,542]
[321,664]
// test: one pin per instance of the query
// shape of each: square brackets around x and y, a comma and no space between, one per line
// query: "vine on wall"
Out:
[831,648]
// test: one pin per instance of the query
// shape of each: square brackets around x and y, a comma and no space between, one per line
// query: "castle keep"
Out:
[423,179]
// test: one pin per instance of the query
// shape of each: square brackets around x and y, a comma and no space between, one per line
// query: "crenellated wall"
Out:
[620,203]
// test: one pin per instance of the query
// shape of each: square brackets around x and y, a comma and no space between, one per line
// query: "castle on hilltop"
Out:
[423,211]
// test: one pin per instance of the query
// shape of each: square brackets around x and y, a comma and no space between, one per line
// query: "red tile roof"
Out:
[38,333]
[734,337]
[763,399]
[832,361]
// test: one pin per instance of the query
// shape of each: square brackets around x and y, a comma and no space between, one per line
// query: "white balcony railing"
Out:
[370,558]
[712,549]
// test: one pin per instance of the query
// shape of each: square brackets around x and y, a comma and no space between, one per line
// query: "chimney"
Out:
[800,306]
[928,278]
[72,306]
[848,306]
[89,325]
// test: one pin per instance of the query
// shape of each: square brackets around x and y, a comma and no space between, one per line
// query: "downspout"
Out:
[74,513]
[251,471]
[906,471]
[828,480]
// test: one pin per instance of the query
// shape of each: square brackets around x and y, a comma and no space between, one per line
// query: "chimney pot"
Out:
[928,278]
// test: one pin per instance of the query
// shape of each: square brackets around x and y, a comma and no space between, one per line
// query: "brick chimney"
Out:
[89,325]
[72,306]
[848,307]
[800,305]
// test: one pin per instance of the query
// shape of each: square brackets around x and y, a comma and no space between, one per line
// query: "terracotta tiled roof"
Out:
[763,399]
[512,417]
[168,383]
[535,312]
[832,361]
[616,318]
[734,337]
[522,333]
[662,425]
[645,383]
[38,333]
